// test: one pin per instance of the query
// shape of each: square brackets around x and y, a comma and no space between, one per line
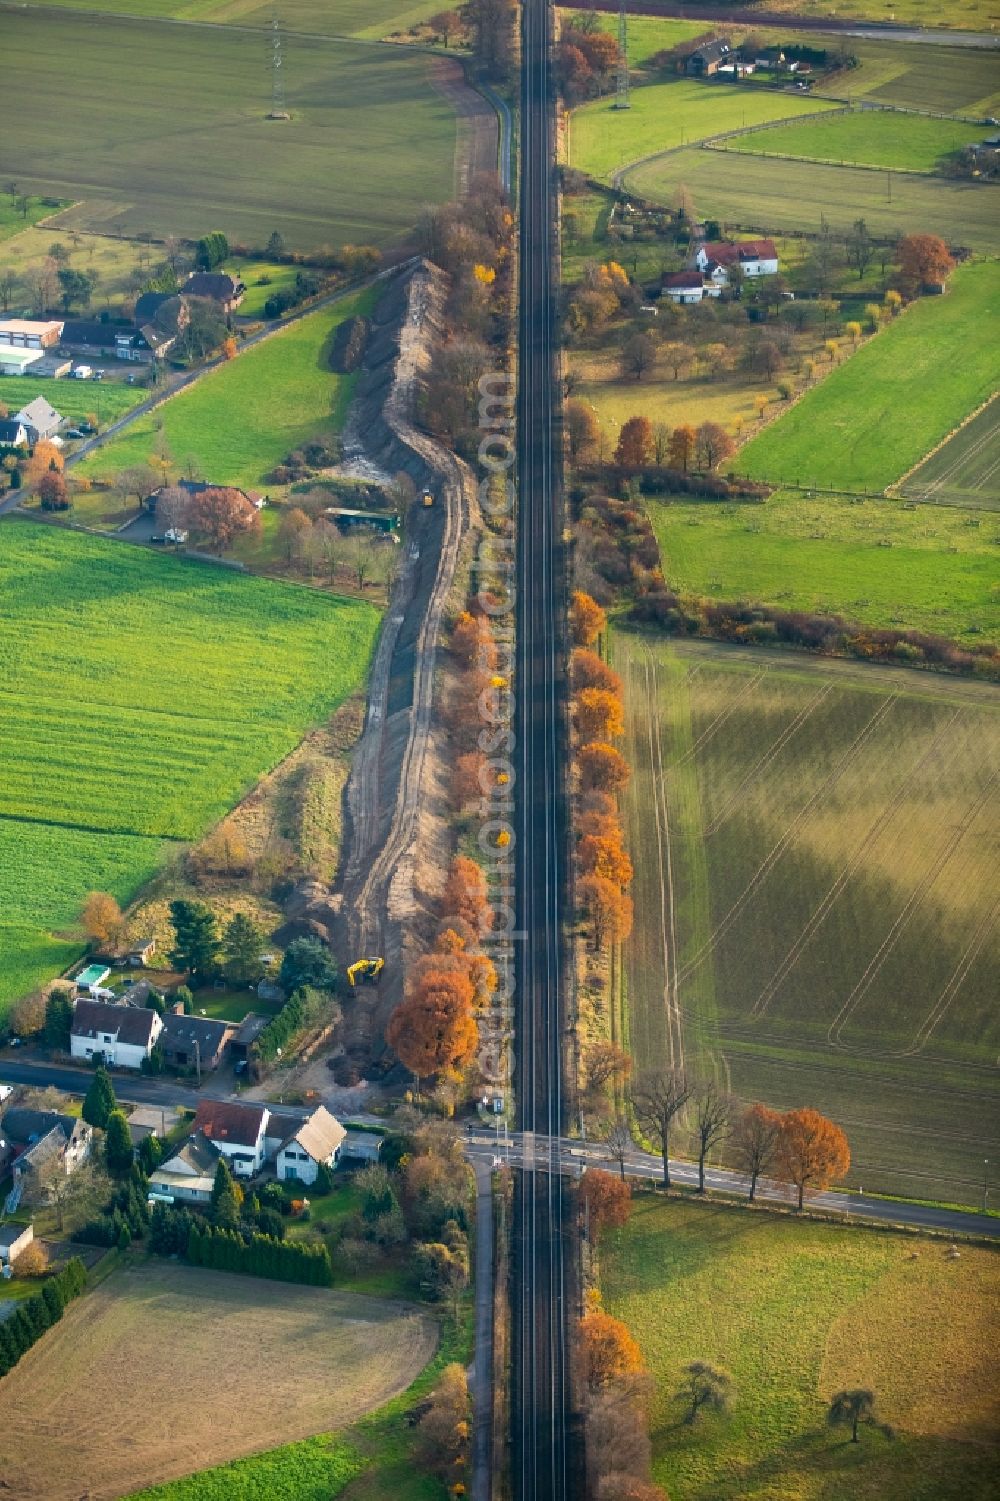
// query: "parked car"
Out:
[75,432]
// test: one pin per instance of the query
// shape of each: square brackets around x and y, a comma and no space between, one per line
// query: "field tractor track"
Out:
[665,868]
[768,757]
[909,910]
[867,843]
[720,719]
[825,1064]
[956,980]
[777,850]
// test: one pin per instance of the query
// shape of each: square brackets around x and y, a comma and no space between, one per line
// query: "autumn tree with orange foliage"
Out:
[221,514]
[597,715]
[433,1028]
[468,782]
[605,1201]
[466,893]
[606,1063]
[923,259]
[680,449]
[811,1151]
[586,618]
[592,821]
[635,444]
[606,908]
[605,857]
[602,768]
[588,670]
[607,1349]
[754,1142]
[472,642]
[103,921]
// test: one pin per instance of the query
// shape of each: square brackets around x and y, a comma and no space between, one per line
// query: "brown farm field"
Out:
[816,907]
[166,1369]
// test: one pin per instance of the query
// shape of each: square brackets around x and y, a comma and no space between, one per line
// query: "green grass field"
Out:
[13,222]
[815,911]
[142,697]
[647,35]
[667,115]
[794,1312]
[873,417]
[873,138]
[245,416]
[180,143]
[919,75]
[780,196]
[963,472]
[315,1469]
[931,569]
[370,19]
[76,399]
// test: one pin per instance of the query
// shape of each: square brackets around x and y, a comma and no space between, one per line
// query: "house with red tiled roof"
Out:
[754,258]
[687,286]
[237,1131]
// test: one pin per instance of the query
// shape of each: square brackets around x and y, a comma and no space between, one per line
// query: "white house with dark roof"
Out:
[188,1176]
[238,1131]
[122,1035]
[318,1140]
[40,418]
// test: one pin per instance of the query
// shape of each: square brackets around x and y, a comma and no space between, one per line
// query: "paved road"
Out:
[570,1157]
[544,1459]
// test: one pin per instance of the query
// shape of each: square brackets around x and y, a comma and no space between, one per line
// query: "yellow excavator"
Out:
[365,971]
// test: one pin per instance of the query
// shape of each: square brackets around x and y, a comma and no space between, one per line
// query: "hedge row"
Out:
[259,1256]
[303,1007]
[36,1314]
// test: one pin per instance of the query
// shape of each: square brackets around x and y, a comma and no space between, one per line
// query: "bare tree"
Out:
[8,281]
[638,355]
[172,507]
[619,1143]
[658,1095]
[713,1112]
[754,1142]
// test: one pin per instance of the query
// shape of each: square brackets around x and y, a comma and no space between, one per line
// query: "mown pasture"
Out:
[963,471]
[794,1311]
[871,560]
[647,35]
[77,399]
[246,415]
[179,143]
[920,75]
[815,913]
[775,196]
[872,138]
[870,420]
[160,1327]
[665,116]
[370,19]
[142,697]
[13,221]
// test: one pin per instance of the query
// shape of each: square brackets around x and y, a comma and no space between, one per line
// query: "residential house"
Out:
[29,333]
[12,433]
[46,1143]
[318,1140]
[708,59]
[754,258]
[236,1130]
[40,419]
[194,1041]
[13,1240]
[188,1176]
[95,337]
[687,286]
[218,287]
[152,1120]
[122,1035]
[195,487]
[246,1035]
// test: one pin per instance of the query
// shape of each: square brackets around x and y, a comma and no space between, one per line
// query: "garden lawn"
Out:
[142,696]
[794,1312]
[925,569]
[13,222]
[666,115]
[243,417]
[76,399]
[866,424]
[873,138]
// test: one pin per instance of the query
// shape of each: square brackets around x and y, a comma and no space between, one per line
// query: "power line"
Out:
[623,100]
[278,110]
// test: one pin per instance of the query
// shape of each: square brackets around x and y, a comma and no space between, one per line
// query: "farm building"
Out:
[189,1174]
[349,520]
[708,59]
[688,286]
[318,1140]
[122,1035]
[18,361]
[754,257]
[13,1240]
[237,1131]
[194,1041]
[110,339]
[218,287]
[29,333]
[12,432]
[40,419]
